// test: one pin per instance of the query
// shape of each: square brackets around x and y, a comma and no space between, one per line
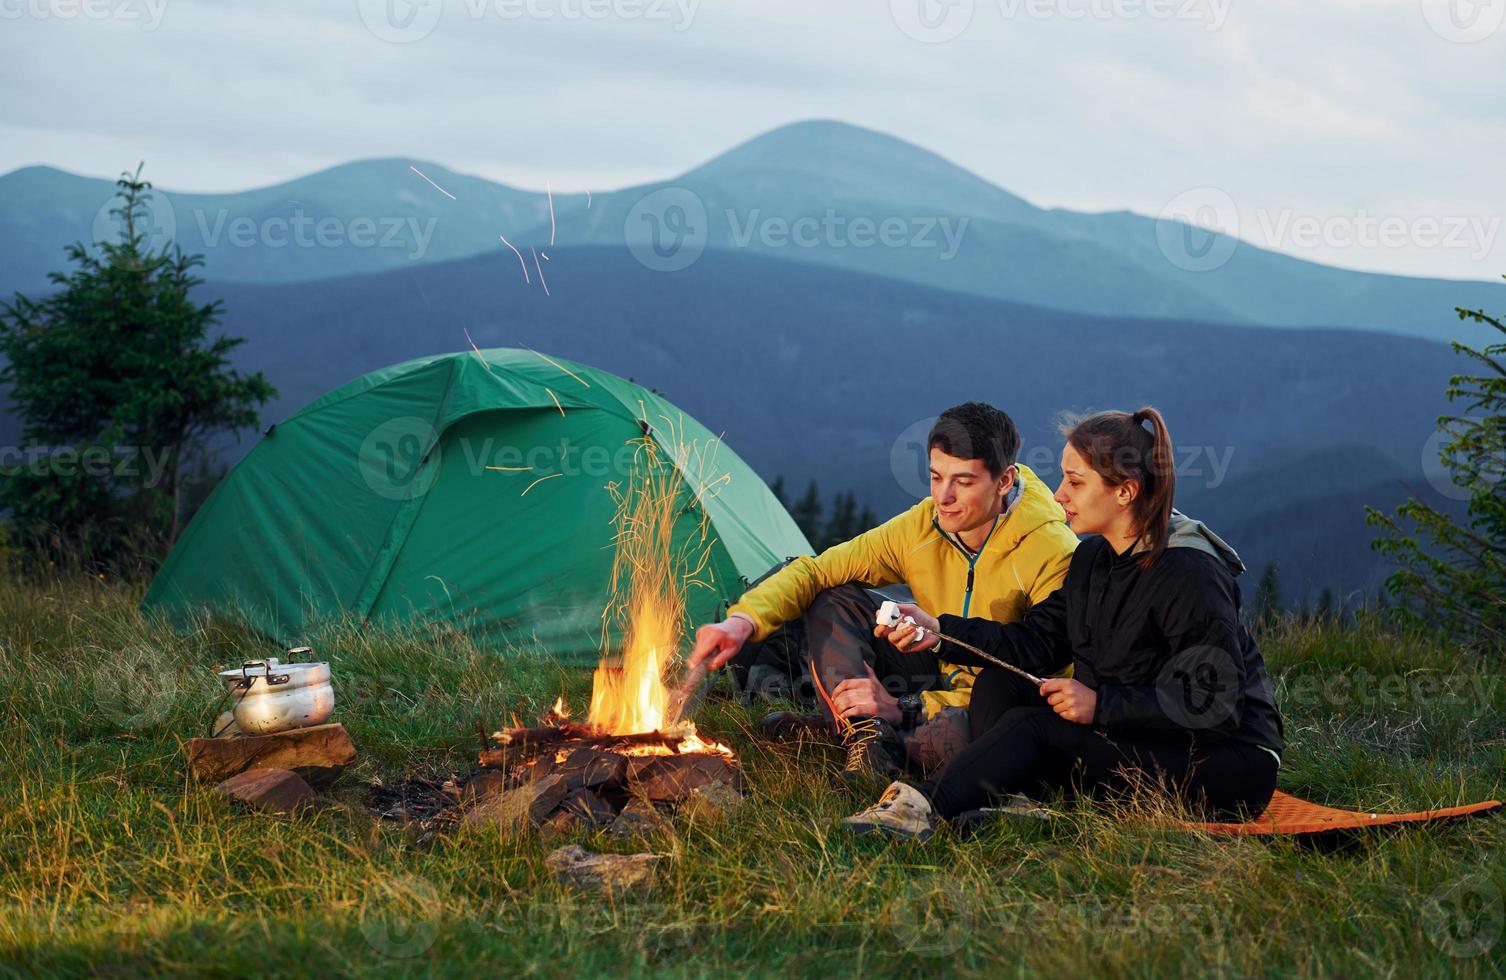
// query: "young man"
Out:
[989,541]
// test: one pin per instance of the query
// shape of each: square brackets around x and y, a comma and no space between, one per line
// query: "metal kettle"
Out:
[272,696]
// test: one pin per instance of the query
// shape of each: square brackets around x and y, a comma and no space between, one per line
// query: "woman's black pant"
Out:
[1021,745]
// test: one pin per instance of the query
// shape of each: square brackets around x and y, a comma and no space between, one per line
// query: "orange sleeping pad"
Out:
[1288,815]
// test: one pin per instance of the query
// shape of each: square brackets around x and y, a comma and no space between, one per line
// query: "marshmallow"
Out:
[888,614]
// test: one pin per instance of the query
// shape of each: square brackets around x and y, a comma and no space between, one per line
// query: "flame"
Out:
[560,709]
[650,573]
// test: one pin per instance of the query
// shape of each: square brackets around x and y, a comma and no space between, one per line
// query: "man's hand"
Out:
[865,697]
[717,643]
[1071,699]
[903,635]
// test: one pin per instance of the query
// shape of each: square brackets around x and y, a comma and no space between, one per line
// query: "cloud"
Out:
[1326,107]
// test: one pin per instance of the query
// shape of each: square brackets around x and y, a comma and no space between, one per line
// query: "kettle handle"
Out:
[273,680]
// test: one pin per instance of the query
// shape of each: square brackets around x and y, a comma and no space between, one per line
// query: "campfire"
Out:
[632,746]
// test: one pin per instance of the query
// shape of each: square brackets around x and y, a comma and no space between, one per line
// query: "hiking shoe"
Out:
[874,751]
[787,726]
[902,812]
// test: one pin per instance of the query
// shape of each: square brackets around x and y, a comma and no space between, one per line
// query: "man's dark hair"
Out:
[975,430]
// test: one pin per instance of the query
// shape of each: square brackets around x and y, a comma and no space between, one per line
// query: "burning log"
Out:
[542,735]
[500,758]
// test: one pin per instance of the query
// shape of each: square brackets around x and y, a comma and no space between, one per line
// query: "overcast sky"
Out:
[1364,133]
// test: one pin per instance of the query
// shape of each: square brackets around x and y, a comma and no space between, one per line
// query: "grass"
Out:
[113,862]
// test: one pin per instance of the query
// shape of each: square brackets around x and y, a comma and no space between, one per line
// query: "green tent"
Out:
[463,487]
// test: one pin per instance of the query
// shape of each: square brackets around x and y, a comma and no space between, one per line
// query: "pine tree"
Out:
[1267,607]
[1326,613]
[807,514]
[842,525]
[867,520]
[777,489]
[1452,575]
[118,385]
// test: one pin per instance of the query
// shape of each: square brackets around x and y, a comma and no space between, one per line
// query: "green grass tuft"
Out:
[112,861]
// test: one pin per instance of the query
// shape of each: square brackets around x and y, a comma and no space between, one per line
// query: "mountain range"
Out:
[805,192]
[817,294]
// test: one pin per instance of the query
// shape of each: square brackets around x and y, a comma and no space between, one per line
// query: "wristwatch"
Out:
[912,709]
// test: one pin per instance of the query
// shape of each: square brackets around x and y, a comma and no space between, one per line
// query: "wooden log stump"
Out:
[318,754]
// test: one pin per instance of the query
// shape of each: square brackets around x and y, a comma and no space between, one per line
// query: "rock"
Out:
[592,810]
[318,754]
[273,790]
[563,822]
[577,866]
[520,807]
[714,801]
[584,768]
[670,778]
[638,819]
[484,785]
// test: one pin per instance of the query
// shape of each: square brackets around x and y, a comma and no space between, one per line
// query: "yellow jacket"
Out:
[1023,561]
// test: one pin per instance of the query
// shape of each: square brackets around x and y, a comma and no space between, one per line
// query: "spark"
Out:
[550,192]
[512,469]
[476,349]
[539,269]
[562,368]
[519,254]
[431,183]
[537,482]
[556,401]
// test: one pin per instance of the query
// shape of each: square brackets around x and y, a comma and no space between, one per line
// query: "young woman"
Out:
[1167,689]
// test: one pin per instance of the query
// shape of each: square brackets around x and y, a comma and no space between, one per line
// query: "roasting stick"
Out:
[686,698]
[888,615]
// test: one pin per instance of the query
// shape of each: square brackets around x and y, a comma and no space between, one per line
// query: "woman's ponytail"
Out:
[1153,508]
[1119,448]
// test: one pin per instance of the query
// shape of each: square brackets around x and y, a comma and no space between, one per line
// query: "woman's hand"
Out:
[904,635]
[1071,699]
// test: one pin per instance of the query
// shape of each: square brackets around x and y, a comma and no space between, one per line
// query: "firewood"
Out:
[541,735]
[499,758]
[672,777]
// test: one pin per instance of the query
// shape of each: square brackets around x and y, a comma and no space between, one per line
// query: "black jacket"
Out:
[1163,649]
